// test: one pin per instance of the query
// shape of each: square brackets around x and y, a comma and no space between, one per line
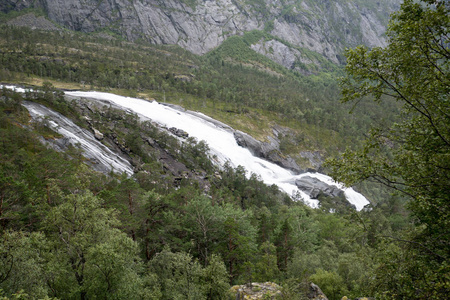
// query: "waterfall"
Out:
[217,135]
[222,144]
[99,156]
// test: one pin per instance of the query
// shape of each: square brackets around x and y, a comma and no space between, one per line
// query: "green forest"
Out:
[68,232]
[231,83]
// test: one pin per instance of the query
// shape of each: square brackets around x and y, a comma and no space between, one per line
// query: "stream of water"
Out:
[218,136]
[222,143]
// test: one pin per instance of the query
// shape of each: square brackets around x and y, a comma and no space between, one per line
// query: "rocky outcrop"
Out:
[254,291]
[315,158]
[200,26]
[315,293]
[97,134]
[17,5]
[284,55]
[314,187]
[179,132]
[101,157]
[268,150]
[270,290]
[33,22]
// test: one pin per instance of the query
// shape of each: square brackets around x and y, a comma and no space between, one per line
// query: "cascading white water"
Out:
[222,143]
[100,156]
[219,137]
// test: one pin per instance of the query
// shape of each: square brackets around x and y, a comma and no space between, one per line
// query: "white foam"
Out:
[223,145]
[221,142]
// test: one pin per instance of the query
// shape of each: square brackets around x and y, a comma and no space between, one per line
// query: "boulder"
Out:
[313,187]
[249,142]
[315,293]
[179,132]
[98,135]
[270,290]
[266,150]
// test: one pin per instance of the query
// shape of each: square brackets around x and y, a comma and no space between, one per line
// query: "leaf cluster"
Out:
[83,234]
[412,155]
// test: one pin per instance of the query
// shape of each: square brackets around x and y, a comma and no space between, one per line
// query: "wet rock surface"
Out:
[314,187]
[101,157]
[267,150]
[179,132]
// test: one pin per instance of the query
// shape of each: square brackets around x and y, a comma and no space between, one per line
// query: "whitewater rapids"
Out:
[222,144]
[218,136]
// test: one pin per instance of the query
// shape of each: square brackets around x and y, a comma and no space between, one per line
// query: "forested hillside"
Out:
[69,232]
[233,84]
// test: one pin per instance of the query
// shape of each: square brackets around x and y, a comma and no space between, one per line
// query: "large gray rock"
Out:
[249,142]
[179,132]
[267,150]
[97,134]
[326,27]
[314,187]
[315,293]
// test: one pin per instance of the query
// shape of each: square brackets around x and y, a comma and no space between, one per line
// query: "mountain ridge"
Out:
[324,27]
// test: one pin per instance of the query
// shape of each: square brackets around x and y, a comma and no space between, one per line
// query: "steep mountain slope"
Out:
[236,82]
[325,27]
[233,84]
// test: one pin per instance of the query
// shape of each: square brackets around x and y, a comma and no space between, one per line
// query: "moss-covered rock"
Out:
[255,290]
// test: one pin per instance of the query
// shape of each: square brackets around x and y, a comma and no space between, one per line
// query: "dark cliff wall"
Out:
[325,27]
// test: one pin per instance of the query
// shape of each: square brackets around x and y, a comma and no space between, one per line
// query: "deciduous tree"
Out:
[411,156]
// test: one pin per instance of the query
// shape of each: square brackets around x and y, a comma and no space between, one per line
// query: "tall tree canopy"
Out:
[413,154]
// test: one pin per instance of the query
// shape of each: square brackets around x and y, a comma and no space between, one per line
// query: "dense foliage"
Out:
[68,232]
[412,156]
[71,233]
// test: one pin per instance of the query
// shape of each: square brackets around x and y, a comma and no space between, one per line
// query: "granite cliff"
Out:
[295,26]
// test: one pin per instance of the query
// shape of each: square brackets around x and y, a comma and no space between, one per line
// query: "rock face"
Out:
[99,156]
[325,27]
[270,290]
[33,22]
[267,150]
[284,55]
[98,135]
[313,187]
[267,290]
[316,293]
[315,158]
